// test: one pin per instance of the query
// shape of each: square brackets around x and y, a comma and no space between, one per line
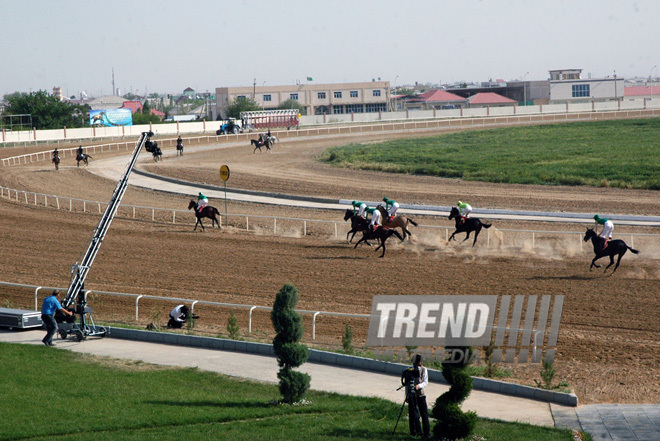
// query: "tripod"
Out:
[411,399]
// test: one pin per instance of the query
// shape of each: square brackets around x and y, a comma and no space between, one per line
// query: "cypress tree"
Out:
[290,354]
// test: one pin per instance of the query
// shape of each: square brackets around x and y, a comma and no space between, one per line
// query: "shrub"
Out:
[347,339]
[290,354]
[232,326]
[451,422]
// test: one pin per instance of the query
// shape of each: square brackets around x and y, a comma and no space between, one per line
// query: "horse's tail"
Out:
[412,222]
[486,225]
[632,250]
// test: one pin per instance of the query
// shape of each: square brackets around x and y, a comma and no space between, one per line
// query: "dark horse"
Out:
[208,211]
[56,161]
[358,223]
[158,154]
[613,248]
[84,158]
[179,148]
[380,233]
[258,144]
[469,225]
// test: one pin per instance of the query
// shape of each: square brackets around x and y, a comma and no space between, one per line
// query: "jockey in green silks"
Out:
[391,206]
[202,202]
[359,208]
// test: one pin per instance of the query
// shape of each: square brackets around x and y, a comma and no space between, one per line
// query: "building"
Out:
[436,99]
[317,99]
[490,99]
[566,85]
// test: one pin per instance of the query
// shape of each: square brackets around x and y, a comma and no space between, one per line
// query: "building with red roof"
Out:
[136,106]
[436,99]
[490,99]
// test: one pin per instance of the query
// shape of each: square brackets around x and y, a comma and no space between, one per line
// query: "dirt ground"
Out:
[608,349]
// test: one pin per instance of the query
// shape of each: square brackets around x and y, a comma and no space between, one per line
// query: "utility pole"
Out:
[113,82]
[254,89]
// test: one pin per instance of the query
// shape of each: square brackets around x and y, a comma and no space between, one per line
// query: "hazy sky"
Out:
[165,46]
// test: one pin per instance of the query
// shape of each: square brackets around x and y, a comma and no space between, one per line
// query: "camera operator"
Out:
[417,378]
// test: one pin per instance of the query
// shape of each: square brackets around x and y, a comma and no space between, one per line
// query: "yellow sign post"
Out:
[224,175]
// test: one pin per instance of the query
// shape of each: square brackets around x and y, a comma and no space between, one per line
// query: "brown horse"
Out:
[207,211]
[84,158]
[398,222]
[56,161]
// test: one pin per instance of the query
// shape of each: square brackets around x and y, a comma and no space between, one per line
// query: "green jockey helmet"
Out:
[354,202]
[385,199]
[459,203]
[596,217]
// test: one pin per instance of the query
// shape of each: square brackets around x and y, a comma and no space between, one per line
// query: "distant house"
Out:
[189,93]
[436,99]
[136,106]
[490,99]
[106,102]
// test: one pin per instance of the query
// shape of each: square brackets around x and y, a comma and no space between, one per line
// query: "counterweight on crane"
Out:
[76,292]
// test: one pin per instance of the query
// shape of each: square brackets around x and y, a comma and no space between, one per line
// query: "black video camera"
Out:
[409,379]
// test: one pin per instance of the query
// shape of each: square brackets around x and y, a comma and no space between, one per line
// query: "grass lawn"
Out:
[623,153]
[56,394]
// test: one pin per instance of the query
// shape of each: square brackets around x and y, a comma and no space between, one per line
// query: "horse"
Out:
[84,158]
[358,223]
[179,149]
[258,145]
[207,211]
[469,225]
[56,161]
[398,222]
[613,248]
[380,233]
[272,139]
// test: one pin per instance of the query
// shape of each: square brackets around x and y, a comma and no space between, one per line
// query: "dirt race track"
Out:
[608,350]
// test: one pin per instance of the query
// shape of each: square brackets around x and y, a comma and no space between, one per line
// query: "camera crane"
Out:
[76,291]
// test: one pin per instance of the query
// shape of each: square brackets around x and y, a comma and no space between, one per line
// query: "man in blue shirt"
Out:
[51,305]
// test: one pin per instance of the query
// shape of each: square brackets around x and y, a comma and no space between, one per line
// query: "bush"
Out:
[452,423]
[347,339]
[232,326]
[290,354]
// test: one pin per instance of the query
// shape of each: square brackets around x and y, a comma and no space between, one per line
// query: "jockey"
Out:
[608,227]
[391,207]
[56,154]
[464,209]
[360,207]
[375,218]
[79,152]
[179,142]
[202,202]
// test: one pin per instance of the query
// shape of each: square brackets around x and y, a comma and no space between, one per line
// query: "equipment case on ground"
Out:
[19,318]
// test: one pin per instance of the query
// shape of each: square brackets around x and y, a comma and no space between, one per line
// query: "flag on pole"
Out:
[309,78]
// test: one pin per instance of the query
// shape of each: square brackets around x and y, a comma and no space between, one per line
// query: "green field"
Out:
[55,394]
[623,153]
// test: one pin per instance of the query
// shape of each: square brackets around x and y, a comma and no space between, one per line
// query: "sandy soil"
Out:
[608,347]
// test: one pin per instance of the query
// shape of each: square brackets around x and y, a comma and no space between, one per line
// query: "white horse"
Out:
[272,140]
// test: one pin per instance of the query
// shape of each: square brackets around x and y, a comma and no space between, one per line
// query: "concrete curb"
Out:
[342,360]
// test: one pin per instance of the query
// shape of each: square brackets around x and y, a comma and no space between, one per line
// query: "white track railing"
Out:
[155,214]
[192,302]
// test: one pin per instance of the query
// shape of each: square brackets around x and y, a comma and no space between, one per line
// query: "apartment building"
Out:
[317,99]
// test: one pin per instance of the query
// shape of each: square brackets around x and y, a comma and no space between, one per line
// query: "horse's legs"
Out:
[467,236]
[452,236]
[347,234]
[476,234]
[358,242]
[382,245]
[593,262]
[618,260]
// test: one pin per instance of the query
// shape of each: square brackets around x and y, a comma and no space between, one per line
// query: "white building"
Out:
[317,99]
[566,85]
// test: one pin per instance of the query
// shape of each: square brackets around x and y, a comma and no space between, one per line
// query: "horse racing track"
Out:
[608,349]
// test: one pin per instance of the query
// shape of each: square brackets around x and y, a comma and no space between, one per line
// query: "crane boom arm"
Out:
[80,269]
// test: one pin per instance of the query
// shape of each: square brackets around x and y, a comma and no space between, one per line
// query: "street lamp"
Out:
[525,89]
[650,83]
[395,103]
